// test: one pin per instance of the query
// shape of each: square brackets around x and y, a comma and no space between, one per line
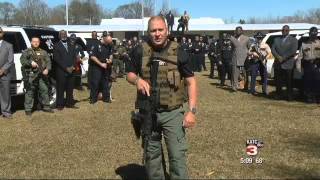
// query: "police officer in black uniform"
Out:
[213,56]
[203,54]
[197,54]
[80,55]
[184,44]
[181,24]
[137,53]
[91,43]
[190,53]
[225,59]
[100,58]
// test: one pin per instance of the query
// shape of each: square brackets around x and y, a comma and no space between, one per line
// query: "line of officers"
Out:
[225,54]
[107,61]
[221,52]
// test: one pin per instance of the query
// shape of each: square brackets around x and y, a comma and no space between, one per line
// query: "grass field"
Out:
[97,141]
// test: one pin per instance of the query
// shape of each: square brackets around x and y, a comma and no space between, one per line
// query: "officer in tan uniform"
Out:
[258,54]
[309,60]
[161,84]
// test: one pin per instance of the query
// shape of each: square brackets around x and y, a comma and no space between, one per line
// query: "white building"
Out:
[127,28]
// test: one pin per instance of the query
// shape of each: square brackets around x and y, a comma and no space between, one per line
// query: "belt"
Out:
[166,109]
[312,61]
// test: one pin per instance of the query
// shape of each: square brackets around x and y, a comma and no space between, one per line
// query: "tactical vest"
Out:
[38,57]
[30,74]
[170,84]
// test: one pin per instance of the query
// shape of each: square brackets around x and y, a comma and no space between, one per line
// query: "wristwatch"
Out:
[193,110]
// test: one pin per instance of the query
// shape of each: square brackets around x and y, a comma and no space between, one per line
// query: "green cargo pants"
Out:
[117,63]
[170,124]
[31,87]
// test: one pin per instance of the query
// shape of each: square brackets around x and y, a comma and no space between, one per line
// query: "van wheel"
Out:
[53,94]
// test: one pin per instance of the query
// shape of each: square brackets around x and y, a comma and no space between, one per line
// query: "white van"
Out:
[269,38]
[301,35]
[20,37]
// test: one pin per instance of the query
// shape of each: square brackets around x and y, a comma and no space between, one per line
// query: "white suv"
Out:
[20,37]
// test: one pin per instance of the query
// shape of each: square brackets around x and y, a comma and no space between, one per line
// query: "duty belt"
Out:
[312,61]
[166,109]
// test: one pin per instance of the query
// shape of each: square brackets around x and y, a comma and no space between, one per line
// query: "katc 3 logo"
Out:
[252,150]
[252,146]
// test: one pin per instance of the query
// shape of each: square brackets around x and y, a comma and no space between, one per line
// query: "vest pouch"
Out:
[317,52]
[145,73]
[162,73]
[177,79]
[170,97]
[164,93]
[171,78]
[175,98]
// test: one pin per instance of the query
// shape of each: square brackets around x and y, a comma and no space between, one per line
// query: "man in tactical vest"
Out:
[35,67]
[161,86]
[118,59]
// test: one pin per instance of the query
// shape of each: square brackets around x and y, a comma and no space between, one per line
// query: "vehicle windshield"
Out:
[47,37]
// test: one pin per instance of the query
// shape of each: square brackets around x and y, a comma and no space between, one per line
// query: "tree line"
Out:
[37,12]
[309,16]
[82,12]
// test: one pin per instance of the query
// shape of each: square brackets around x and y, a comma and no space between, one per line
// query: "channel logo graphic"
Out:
[253,146]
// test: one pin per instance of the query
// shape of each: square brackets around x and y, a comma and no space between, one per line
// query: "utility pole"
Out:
[142,16]
[67,13]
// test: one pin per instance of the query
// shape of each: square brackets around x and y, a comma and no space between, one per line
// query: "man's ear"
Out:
[167,29]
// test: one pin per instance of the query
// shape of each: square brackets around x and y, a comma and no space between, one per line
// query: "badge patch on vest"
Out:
[161,63]
[99,48]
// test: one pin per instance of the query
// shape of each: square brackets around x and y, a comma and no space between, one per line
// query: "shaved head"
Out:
[158,31]
[153,18]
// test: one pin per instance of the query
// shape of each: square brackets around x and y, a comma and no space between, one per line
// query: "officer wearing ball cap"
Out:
[309,58]
[258,55]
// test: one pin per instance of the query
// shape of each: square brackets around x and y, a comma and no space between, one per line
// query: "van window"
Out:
[81,43]
[90,43]
[272,38]
[47,37]
[304,39]
[17,41]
